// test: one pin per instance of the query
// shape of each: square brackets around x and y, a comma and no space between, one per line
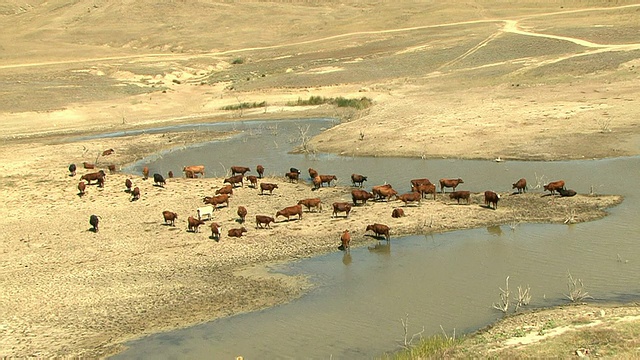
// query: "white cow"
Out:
[205,211]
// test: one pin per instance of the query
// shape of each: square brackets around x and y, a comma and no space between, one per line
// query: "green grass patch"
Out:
[436,346]
[359,104]
[245,105]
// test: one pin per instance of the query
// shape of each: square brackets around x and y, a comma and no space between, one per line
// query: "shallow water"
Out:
[447,280]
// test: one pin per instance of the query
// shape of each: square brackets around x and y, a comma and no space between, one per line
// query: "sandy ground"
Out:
[458,91]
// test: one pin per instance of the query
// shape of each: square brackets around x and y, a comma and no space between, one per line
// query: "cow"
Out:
[253,181]
[190,175]
[567,193]
[108,152]
[379,229]
[81,187]
[360,195]
[327,179]
[170,174]
[260,171]
[194,224]
[452,183]
[128,184]
[205,211]
[216,200]
[344,207]
[491,198]
[93,176]
[135,194]
[554,185]
[169,217]
[418,182]
[87,165]
[358,180]
[397,213]
[464,195]
[267,187]
[264,220]
[290,211]
[294,170]
[233,180]
[345,239]
[317,182]
[521,185]
[112,168]
[424,189]
[93,221]
[311,203]
[195,169]
[292,176]
[312,173]
[239,170]
[410,197]
[215,231]
[72,169]
[145,173]
[158,180]
[236,232]
[101,181]
[384,192]
[227,189]
[242,213]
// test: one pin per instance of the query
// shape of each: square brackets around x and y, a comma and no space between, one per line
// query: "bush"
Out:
[359,104]
[244,105]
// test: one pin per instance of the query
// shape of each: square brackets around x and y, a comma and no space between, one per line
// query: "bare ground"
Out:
[445,81]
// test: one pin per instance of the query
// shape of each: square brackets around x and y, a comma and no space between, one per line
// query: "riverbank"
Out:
[138,276]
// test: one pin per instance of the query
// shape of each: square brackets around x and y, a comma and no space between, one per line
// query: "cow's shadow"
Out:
[377,237]
[92,229]
[486,206]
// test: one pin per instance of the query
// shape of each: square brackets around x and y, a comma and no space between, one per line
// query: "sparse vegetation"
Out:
[238,61]
[245,105]
[576,290]
[358,104]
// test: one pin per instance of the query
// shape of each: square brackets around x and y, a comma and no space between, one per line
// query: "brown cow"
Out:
[93,221]
[311,203]
[234,180]
[242,213]
[128,184]
[360,195]
[384,192]
[236,232]
[267,187]
[464,195]
[341,207]
[81,187]
[292,176]
[135,194]
[108,152]
[216,200]
[190,175]
[410,197]
[253,181]
[521,185]
[327,179]
[194,224]
[290,211]
[170,174]
[239,170]
[260,171]
[418,182]
[195,169]
[554,186]
[345,239]
[170,217]
[264,220]
[397,213]
[491,198]
[379,229]
[227,189]
[145,173]
[72,170]
[112,168]
[312,173]
[93,176]
[425,189]
[452,183]
[358,180]
[215,231]
[88,165]
[317,182]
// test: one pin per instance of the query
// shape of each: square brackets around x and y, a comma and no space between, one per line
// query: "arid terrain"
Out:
[547,80]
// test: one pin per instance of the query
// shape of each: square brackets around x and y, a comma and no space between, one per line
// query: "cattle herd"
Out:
[420,189]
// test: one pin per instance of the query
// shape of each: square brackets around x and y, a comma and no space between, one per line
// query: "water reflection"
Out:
[495,230]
